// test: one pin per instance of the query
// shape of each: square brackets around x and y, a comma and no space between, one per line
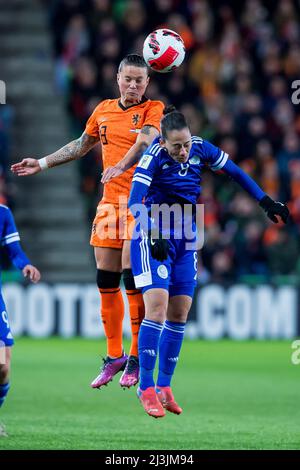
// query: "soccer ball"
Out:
[163,50]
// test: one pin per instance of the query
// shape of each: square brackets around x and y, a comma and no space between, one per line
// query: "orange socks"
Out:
[137,313]
[112,313]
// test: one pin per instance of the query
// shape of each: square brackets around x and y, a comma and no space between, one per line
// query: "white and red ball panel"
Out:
[163,50]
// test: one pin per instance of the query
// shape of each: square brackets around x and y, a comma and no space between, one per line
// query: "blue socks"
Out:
[148,346]
[167,339]
[3,392]
[169,348]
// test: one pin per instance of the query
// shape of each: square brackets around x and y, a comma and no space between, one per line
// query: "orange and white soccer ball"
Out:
[163,50]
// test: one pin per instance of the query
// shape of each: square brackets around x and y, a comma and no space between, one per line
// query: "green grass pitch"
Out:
[235,395]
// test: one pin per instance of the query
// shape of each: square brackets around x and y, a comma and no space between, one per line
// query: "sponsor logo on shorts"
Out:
[162,271]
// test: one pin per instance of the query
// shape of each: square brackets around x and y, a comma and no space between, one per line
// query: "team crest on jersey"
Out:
[195,160]
[162,271]
[136,119]
[145,161]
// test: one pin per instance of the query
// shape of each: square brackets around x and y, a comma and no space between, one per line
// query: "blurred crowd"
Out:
[6,119]
[235,88]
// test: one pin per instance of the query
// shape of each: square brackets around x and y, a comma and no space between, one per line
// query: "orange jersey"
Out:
[118,129]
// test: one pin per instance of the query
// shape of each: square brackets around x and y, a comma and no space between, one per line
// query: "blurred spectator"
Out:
[83,87]
[75,39]
[283,253]
[250,253]
[6,120]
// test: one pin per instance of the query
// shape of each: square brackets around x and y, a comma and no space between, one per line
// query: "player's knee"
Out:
[179,316]
[128,279]
[4,373]
[157,315]
[107,279]
[157,312]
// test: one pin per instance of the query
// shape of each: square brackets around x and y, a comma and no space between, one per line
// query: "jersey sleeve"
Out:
[10,233]
[92,127]
[244,180]
[217,160]
[144,173]
[141,182]
[146,167]
[10,241]
[214,156]
[154,115]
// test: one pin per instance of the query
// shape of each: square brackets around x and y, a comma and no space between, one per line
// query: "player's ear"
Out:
[162,142]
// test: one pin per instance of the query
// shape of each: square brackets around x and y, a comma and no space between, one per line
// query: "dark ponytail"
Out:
[169,109]
[172,120]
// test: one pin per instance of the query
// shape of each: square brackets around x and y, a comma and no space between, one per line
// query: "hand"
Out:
[159,246]
[28,166]
[32,272]
[273,208]
[110,173]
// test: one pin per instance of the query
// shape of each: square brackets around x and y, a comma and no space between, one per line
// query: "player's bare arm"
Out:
[72,151]
[145,137]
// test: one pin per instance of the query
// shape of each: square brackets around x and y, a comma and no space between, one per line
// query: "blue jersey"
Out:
[169,181]
[10,241]
[160,179]
[10,238]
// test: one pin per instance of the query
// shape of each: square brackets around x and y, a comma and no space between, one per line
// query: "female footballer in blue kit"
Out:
[10,241]
[164,266]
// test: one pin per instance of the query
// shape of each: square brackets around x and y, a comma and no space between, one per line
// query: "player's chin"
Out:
[133,97]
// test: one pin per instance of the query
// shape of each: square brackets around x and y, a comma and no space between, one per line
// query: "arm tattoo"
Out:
[146,130]
[72,151]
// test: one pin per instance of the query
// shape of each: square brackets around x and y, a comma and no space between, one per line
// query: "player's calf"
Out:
[3,392]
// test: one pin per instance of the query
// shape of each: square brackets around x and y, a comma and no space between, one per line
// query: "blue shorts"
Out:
[177,274]
[5,333]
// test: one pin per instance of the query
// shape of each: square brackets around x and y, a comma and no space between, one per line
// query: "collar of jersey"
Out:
[144,99]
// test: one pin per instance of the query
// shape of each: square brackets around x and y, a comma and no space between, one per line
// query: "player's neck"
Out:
[127,103]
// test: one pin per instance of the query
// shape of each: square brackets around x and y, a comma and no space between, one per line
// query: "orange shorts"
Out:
[112,225]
